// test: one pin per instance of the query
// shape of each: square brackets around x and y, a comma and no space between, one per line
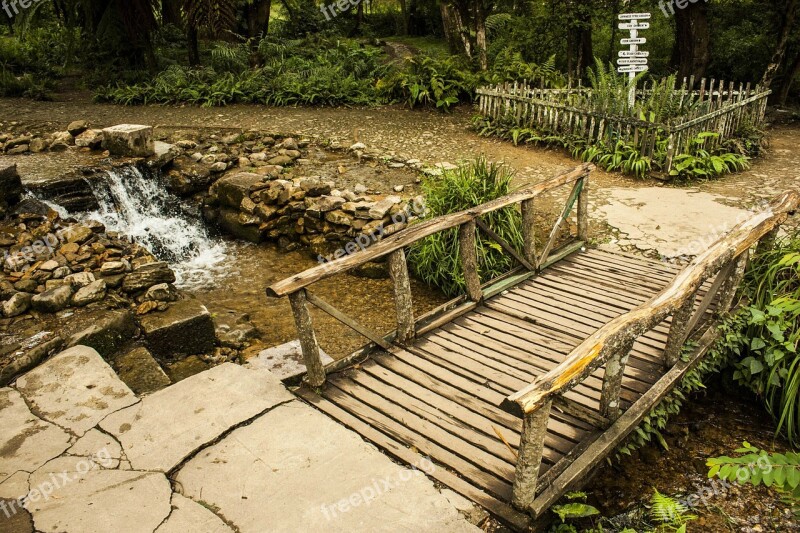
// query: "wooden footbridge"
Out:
[519,388]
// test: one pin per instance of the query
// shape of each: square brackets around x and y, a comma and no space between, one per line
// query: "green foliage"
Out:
[758,467]
[624,158]
[669,513]
[702,163]
[435,259]
[430,82]
[768,359]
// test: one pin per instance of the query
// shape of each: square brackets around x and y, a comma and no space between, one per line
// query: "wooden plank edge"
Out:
[504,512]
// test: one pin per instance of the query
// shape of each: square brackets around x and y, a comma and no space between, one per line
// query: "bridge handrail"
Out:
[612,338]
[420,231]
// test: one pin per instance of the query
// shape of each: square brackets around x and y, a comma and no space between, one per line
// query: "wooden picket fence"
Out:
[716,106]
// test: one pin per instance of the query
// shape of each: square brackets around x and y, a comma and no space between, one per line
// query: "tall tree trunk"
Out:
[455,32]
[786,85]
[692,52]
[194,48]
[780,48]
[258,18]
[480,34]
[404,13]
[171,12]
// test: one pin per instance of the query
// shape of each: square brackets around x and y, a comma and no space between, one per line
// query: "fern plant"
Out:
[669,513]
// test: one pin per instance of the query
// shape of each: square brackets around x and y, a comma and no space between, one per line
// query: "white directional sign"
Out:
[632,53]
[634,16]
[631,61]
[634,40]
[632,69]
[634,26]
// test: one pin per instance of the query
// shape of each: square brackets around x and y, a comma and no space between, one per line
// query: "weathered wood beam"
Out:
[529,461]
[551,241]
[315,372]
[347,321]
[468,252]
[529,230]
[595,350]
[709,297]
[503,244]
[581,412]
[583,211]
[612,380]
[403,239]
[678,331]
[404,303]
[727,293]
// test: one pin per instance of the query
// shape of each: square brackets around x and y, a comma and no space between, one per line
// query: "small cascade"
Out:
[137,205]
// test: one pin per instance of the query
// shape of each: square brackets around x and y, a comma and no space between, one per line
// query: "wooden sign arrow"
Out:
[636,40]
[631,61]
[632,68]
[634,26]
[632,53]
[634,16]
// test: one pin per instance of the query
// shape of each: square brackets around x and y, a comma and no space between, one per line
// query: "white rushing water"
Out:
[138,206]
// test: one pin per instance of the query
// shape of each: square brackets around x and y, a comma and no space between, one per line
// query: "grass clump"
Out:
[435,259]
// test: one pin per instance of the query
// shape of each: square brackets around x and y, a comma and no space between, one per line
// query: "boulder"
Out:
[92,139]
[231,190]
[147,275]
[231,221]
[282,160]
[80,280]
[382,208]
[184,329]
[61,141]
[16,305]
[163,292]
[315,187]
[164,153]
[10,187]
[77,127]
[93,292]
[140,371]
[317,207]
[131,140]
[52,301]
[108,334]
[38,145]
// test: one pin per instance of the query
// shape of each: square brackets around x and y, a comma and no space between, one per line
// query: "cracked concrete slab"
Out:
[101,500]
[98,445]
[294,469]
[169,425]
[15,487]
[27,442]
[75,390]
[190,516]
[674,222]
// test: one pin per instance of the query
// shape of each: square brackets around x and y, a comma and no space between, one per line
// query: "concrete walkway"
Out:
[226,450]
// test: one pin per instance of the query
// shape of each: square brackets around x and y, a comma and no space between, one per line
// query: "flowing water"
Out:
[136,204]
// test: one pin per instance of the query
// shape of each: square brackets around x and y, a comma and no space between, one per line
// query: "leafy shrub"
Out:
[435,259]
[701,163]
[769,362]
[624,157]
[430,82]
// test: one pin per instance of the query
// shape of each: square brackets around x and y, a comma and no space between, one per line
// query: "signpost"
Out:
[633,61]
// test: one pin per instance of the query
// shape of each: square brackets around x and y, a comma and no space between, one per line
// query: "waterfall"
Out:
[139,206]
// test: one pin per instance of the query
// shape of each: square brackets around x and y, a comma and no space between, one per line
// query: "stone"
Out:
[77,127]
[360,188]
[131,140]
[289,143]
[219,167]
[317,207]
[28,355]
[232,189]
[98,446]
[358,146]
[52,301]
[18,304]
[61,272]
[164,153]
[315,187]
[293,447]
[110,268]
[184,329]
[187,144]
[107,334]
[190,516]
[285,361]
[61,141]
[94,292]
[92,139]
[229,220]
[49,266]
[75,390]
[163,292]
[80,279]
[18,141]
[147,275]
[381,208]
[103,500]
[7,290]
[15,486]
[398,188]
[26,285]
[10,187]
[140,371]
[27,442]
[77,234]
[38,145]
[281,160]
[17,150]
[166,427]
[338,217]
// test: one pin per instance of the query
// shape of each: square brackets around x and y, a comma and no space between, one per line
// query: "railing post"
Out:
[678,331]
[612,381]
[315,375]
[583,210]
[729,287]
[670,150]
[398,270]
[469,259]
[531,449]
[529,231]
[768,240]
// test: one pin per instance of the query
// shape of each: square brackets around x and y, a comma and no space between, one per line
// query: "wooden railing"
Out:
[716,106]
[610,346]
[468,223]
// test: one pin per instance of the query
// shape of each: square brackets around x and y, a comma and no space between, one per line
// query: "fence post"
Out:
[469,259]
[612,381]
[308,339]
[529,231]
[398,270]
[583,210]
[529,461]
